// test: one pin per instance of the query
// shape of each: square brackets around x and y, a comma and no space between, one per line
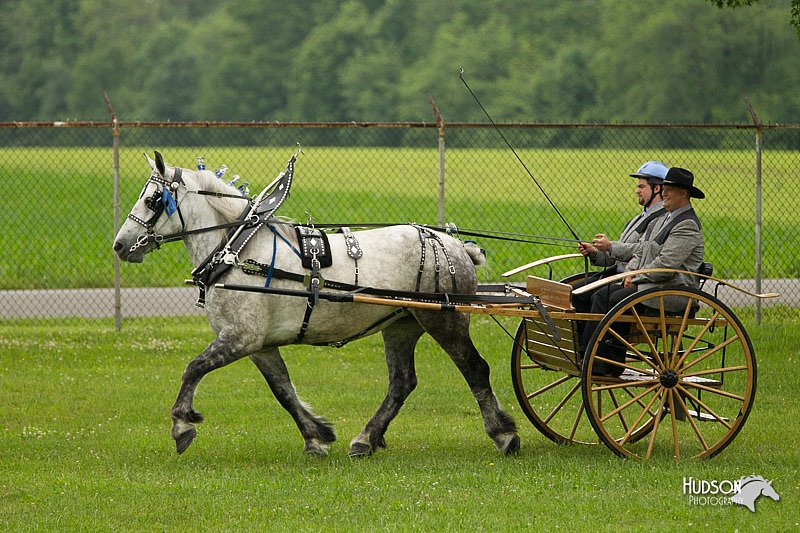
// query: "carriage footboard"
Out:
[548,352]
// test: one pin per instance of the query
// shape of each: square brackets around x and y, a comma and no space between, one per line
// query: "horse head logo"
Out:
[750,488]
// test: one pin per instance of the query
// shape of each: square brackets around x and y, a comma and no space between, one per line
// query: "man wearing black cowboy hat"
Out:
[674,241]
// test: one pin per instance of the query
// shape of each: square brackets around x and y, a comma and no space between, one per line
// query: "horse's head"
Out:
[151,220]
[768,491]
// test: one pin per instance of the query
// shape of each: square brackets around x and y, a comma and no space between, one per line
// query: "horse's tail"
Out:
[475,252]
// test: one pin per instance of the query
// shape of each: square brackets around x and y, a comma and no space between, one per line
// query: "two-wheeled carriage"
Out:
[686,385]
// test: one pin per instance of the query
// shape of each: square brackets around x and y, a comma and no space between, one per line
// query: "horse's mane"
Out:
[229,208]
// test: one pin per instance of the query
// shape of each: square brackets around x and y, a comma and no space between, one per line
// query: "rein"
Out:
[452,229]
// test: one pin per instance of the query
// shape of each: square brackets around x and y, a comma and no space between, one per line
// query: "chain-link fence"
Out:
[58,202]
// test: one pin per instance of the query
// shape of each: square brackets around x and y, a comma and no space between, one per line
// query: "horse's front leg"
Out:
[317,433]
[218,354]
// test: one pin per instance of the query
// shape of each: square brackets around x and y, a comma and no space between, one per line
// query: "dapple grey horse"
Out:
[257,325]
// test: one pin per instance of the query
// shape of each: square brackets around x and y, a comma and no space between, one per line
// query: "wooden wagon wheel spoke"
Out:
[560,404]
[652,439]
[624,385]
[713,390]
[616,404]
[662,324]
[624,365]
[674,419]
[629,402]
[640,402]
[692,422]
[714,371]
[577,421]
[682,329]
[641,416]
[699,336]
[709,353]
[648,339]
[710,411]
[631,348]
[546,388]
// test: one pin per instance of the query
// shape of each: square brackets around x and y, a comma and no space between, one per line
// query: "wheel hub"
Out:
[669,378]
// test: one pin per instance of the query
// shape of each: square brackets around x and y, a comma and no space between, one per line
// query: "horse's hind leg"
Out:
[399,341]
[451,331]
[218,354]
[317,432]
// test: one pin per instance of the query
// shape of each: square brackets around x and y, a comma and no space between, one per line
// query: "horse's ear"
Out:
[150,161]
[160,166]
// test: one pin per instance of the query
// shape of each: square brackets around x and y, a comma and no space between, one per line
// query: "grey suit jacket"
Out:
[683,249]
[622,250]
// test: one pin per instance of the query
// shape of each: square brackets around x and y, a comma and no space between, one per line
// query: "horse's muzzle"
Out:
[124,253]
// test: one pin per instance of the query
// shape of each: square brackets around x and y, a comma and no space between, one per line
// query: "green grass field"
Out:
[57,206]
[85,445]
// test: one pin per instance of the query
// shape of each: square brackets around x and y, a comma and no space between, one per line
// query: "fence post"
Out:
[117,273]
[757,123]
[440,123]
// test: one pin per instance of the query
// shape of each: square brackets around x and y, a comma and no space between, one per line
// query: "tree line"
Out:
[378,60]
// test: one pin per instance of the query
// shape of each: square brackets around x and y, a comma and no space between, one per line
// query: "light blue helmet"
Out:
[653,171]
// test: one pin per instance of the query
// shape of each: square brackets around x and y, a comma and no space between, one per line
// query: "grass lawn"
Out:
[84,443]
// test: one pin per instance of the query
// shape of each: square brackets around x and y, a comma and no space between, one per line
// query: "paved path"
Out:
[179,301]
[98,303]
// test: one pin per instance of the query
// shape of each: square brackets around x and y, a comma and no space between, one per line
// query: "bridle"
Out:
[162,200]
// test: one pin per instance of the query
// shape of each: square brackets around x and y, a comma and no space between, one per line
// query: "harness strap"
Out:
[424,234]
[353,248]
[255,268]
[421,258]
[313,298]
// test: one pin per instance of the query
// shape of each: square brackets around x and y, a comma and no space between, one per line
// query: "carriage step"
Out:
[704,417]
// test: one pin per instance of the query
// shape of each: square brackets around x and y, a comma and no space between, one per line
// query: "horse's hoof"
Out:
[513,446]
[508,443]
[183,440]
[359,449]
[316,447]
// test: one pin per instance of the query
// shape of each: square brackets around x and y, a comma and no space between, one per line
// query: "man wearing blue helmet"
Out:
[606,253]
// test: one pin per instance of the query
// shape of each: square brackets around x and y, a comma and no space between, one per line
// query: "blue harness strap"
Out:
[274,253]
[290,245]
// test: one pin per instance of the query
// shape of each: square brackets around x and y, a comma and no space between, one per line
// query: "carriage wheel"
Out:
[551,399]
[697,387]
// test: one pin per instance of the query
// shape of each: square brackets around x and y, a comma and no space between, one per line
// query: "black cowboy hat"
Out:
[680,177]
